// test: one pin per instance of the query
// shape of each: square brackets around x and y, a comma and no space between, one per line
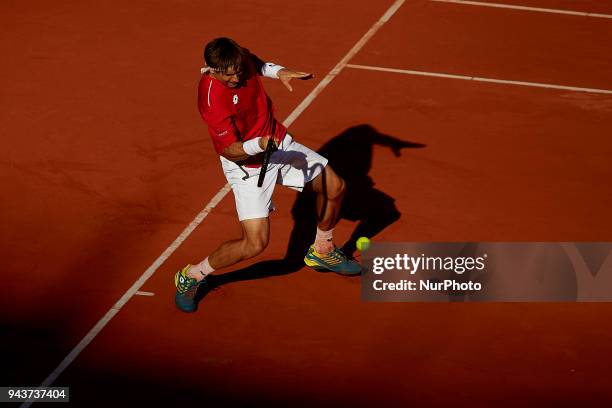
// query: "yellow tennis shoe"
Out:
[334,261]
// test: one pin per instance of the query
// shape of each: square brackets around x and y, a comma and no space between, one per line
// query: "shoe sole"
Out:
[320,268]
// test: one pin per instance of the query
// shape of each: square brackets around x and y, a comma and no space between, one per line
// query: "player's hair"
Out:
[223,53]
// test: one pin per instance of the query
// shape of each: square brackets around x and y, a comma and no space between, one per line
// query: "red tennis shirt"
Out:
[237,114]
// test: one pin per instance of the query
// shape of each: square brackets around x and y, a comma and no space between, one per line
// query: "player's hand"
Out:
[286,75]
[263,141]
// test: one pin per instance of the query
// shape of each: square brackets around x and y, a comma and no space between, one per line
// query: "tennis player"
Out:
[240,120]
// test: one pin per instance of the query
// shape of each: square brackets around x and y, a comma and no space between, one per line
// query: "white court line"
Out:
[132,291]
[336,70]
[525,8]
[141,293]
[215,200]
[480,79]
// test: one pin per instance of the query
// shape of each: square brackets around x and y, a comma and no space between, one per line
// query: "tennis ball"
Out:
[363,244]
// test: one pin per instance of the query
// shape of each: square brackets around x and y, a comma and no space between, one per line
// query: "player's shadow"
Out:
[350,155]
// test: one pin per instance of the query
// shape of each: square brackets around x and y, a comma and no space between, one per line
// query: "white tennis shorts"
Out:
[292,165]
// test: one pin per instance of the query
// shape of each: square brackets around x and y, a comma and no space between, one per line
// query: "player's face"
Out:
[231,78]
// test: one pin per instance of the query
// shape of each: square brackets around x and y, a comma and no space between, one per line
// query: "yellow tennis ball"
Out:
[363,244]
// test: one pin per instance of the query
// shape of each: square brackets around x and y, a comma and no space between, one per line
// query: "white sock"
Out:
[199,271]
[323,241]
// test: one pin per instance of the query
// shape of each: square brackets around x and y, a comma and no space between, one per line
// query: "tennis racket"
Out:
[270,148]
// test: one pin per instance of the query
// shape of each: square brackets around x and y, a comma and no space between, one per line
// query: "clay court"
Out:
[466,121]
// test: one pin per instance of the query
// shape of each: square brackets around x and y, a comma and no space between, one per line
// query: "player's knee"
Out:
[337,188]
[255,246]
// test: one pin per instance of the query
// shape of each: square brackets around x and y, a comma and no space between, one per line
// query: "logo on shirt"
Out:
[235,99]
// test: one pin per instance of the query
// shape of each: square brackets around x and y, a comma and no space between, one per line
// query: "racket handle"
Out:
[266,161]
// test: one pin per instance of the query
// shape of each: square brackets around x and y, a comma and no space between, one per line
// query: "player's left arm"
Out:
[272,70]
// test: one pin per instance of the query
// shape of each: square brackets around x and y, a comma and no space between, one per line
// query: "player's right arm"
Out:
[225,139]
[236,153]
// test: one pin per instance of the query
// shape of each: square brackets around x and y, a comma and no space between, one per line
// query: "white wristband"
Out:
[270,70]
[252,147]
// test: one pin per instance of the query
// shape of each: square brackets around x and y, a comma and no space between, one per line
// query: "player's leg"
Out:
[303,168]
[323,254]
[255,237]
[253,206]
[330,189]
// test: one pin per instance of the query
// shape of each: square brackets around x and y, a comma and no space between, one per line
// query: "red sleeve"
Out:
[221,129]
